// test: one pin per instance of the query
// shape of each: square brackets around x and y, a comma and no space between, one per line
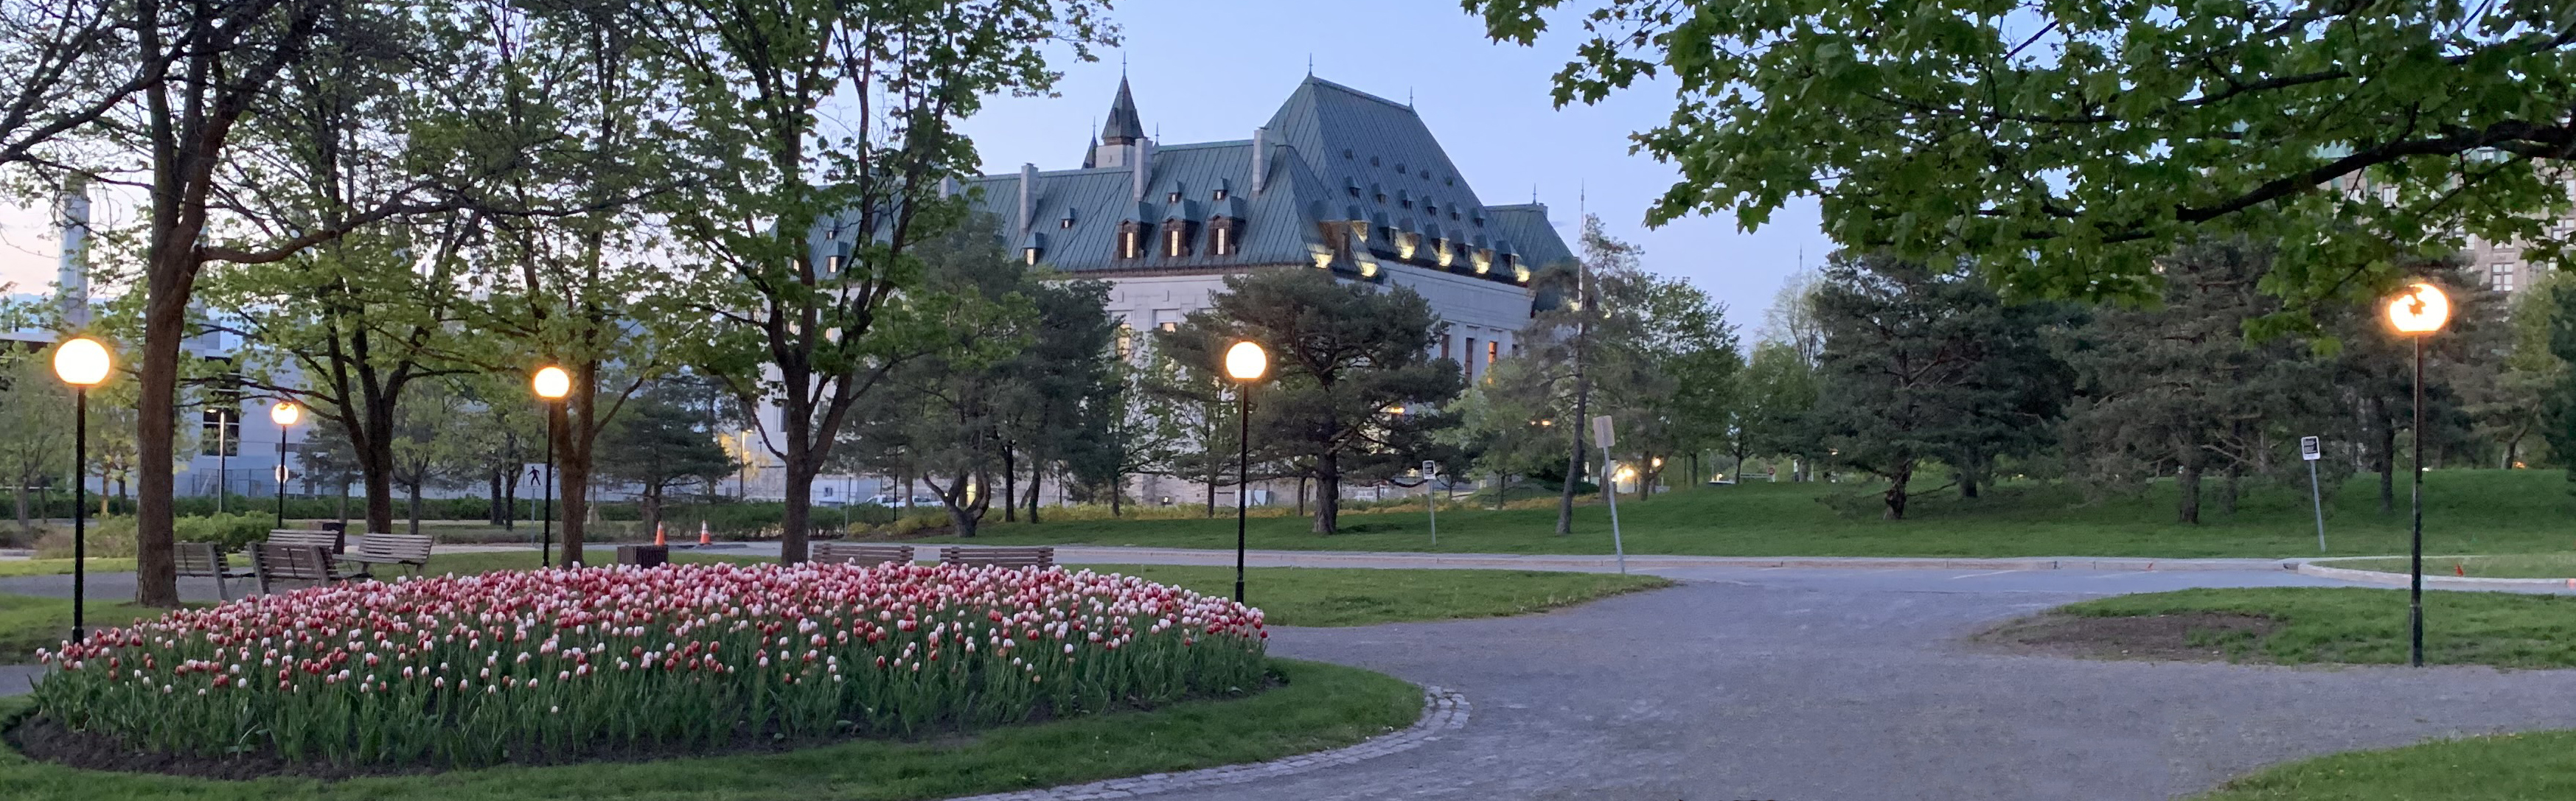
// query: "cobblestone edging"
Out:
[1442,710]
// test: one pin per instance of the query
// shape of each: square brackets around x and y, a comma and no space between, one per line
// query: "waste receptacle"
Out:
[643,555]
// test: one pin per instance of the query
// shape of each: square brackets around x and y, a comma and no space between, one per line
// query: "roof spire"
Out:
[1124,128]
[1091,147]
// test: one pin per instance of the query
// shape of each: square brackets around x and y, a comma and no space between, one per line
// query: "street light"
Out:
[552,384]
[1245,363]
[2420,312]
[284,414]
[81,362]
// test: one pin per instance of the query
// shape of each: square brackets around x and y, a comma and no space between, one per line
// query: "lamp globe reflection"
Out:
[2422,309]
[1246,361]
[81,362]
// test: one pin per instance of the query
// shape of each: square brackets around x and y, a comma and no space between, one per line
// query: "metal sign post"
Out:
[2310,450]
[1430,472]
[1610,487]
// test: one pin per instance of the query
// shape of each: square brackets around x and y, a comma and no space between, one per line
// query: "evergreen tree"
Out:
[660,442]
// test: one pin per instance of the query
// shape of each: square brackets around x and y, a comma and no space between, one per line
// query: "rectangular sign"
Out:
[1430,468]
[1601,435]
[2309,449]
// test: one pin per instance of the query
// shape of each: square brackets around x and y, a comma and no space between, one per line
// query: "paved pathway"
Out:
[1848,684]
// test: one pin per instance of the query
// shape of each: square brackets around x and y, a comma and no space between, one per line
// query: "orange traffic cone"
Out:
[2459,569]
[703,539]
[657,535]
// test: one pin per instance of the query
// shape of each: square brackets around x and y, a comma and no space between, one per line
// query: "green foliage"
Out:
[1352,390]
[2367,626]
[1923,364]
[2496,767]
[2065,145]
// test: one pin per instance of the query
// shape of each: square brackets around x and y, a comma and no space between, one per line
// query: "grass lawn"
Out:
[2507,767]
[28,623]
[53,567]
[1321,706]
[2520,565]
[2354,625]
[2467,511]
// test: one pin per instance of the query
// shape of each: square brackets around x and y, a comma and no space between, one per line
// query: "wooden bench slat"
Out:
[857,554]
[1042,556]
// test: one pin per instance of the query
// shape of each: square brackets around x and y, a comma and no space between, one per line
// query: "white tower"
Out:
[71,279]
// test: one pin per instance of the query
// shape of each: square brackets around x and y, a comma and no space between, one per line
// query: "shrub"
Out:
[230,532]
[477,670]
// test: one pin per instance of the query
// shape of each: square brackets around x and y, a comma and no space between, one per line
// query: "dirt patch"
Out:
[2196,636]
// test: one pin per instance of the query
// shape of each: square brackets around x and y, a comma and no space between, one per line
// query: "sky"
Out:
[1213,71]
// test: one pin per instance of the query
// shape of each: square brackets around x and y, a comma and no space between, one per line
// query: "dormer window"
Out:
[1220,193]
[1173,197]
[1176,238]
[1432,209]
[1030,255]
[1131,239]
[1225,236]
[1067,222]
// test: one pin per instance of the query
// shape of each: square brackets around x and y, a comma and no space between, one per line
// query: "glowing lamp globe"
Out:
[1246,361]
[552,383]
[285,413]
[2421,310]
[81,362]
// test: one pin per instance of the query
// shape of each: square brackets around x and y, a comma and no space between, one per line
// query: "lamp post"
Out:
[81,362]
[552,384]
[284,414]
[1245,363]
[2419,313]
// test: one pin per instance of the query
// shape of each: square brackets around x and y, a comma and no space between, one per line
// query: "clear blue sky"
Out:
[1212,71]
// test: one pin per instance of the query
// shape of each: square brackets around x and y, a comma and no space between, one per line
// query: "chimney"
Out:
[1260,158]
[1141,171]
[1028,199]
[947,187]
[71,280]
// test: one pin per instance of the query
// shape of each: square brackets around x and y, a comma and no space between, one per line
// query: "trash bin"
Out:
[644,555]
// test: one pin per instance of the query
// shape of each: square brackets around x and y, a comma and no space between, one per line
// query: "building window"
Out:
[1131,240]
[1067,222]
[1468,365]
[1176,238]
[220,431]
[1493,353]
[1126,341]
[1171,326]
[1222,236]
[1173,197]
[1444,347]
[1031,254]
[1220,193]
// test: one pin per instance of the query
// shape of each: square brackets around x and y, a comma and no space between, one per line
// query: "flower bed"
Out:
[553,664]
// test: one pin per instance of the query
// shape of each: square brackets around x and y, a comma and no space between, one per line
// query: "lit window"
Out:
[1031,254]
[1126,341]
[1220,194]
[1173,197]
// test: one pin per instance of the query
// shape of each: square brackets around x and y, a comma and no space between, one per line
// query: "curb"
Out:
[2444,582]
[1075,554]
[1442,710]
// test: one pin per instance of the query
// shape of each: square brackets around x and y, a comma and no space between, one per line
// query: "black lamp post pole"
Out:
[1243,478]
[546,547]
[80,497]
[2415,592]
[281,475]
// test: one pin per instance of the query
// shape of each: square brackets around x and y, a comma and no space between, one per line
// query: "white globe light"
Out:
[1246,361]
[81,362]
[552,383]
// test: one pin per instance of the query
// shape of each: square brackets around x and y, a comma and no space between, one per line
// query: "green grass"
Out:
[2520,565]
[2467,511]
[60,567]
[1321,706]
[2507,767]
[2353,625]
[28,623]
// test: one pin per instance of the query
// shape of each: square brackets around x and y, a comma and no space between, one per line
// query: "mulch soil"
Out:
[2197,636]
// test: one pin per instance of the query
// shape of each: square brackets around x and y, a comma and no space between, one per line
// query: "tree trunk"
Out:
[1037,478]
[2227,490]
[2387,455]
[1968,483]
[1301,496]
[376,467]
[169,277]
[26,528]
[415,507]
[2187,481]
[1010,485]
[1117,495]
[492,510]
[960,512]
[577,433]
[1895,495]
[652,503]
[1328,493]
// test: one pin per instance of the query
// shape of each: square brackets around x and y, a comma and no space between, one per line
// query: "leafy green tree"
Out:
[1504,433]
[1923,365]
[1352,388]
[2065,144]
[432,445]
[1686,340]
[1145,432]
[2374,367]
[2514,407]
[2178,388]
[1062,385]
[1777,394]
[825,130]
[35,431]
[661,442]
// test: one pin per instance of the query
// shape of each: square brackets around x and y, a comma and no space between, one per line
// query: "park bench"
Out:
[1042,556]
[856,554]
[327,540]
[408,550]
[275,564]
[203,559]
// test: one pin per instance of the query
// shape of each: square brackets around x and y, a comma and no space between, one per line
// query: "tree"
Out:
[35,431]
[70,67]
[2374,367]
[2179,389]
[1502,430]
[1352,391]
[1685,340]
[827,130]
[432,444]
[2513,407]
[2065,145]
[659,443]
[1587,351]
[1062,387]
[1922,365]
[1776,395]
[1145,432]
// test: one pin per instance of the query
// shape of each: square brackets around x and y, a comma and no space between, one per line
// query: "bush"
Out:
[229,532]
[688,657]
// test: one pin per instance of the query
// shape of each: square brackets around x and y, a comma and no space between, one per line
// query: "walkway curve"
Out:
[1442,710]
